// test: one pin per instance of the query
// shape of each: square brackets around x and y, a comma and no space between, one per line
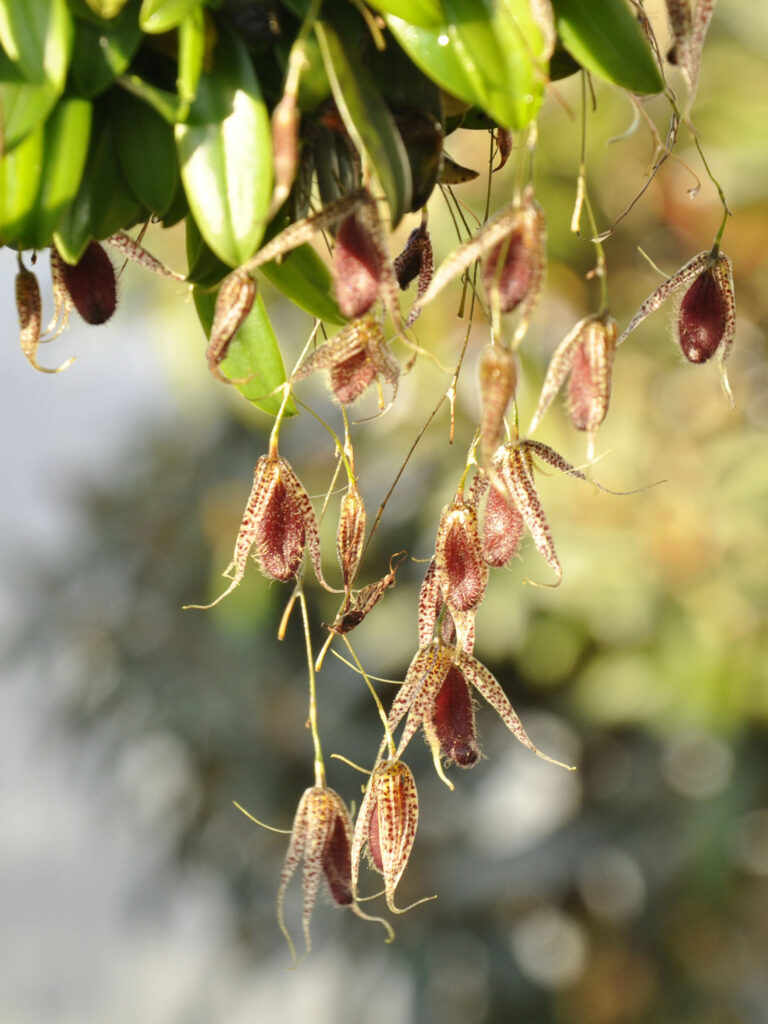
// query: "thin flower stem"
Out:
[339,446]
[273,437]
[583,203]
[378,679]
[270,828]
[319,763]
[377,701]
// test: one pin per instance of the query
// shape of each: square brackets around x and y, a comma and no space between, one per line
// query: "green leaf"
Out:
[19,178]
[191,54]
[253,353]
[496,55]
[430,50]
[163,15]
[179,207]
[37,35]
[490,55]
[225,154]
[146,151]
[65,145]
[303,277]
[104,203]
[611,44]
[366,117]
[22,106]
[427,13]
[102,52]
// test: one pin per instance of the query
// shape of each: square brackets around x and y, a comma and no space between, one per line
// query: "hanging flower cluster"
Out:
[346,171]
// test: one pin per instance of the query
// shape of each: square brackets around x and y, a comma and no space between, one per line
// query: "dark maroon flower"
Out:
[450,723]
[703,318]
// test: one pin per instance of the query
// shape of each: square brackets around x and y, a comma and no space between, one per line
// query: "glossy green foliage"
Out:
[104,202]
[612,45]
[65,144]
[225,154]
[103,50]
[426,13]
[146,151]
[491,55]
[19,180]
[36,41]
[37,37]
[253,361]
[191,54]
[163,15]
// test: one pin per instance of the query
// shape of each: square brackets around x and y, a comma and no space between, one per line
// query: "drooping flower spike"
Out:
[322,838]
[386,826]
[354,358]
[586,353]
[278,524]
[705,325]
[447,718]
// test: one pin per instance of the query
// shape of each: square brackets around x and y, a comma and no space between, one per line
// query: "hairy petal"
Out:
[488,686]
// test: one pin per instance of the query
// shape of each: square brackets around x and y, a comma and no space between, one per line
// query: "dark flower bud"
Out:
[91,285]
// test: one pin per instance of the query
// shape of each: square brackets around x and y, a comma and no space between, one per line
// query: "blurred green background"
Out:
[633,890]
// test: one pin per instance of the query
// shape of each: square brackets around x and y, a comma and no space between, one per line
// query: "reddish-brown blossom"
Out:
[386,825]
[513,270]
[450,723]
[354,358]
[586,353]
[321,837]
[419,694]
[702,318]
[278,523]
[92,285]
[461,572]
[502,528]
[705,325]
[357,267]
